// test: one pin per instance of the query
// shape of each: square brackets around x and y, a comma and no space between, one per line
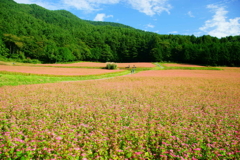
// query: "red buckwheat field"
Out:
[55,71]
[94,64]
[157,114]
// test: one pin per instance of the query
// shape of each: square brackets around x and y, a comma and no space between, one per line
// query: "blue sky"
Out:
[219,18]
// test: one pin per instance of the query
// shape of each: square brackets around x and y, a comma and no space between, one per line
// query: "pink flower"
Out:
[163,156]
[173,155]
[19,140]
[165,143]
[59,138]
[84,125]
[119,150]
[197,149]
[138,153]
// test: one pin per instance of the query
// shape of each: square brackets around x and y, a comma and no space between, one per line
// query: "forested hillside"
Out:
[31,32]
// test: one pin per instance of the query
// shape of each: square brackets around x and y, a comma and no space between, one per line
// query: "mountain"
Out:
[30,32]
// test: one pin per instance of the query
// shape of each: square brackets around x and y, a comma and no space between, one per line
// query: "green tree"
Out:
[64,55]
[156,52]
[106,55]
[4,51]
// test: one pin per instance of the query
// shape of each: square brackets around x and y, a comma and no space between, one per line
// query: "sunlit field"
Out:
[55,70]
[158,114]
[94,64]
[181,65]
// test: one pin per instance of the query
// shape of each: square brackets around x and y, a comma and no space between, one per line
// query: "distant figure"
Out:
[133,69]
[128,66]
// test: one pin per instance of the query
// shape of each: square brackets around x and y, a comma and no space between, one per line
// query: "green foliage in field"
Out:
[13,79]
[111,65]
[32,32]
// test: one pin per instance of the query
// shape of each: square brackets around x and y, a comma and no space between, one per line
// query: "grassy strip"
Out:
[51,75]
[139,69]
[14,78]
[192,68]
[189,68]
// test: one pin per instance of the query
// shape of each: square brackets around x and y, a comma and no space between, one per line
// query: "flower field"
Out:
[55,71]
[94,64]
[180,65]
[207,74]
[148,115]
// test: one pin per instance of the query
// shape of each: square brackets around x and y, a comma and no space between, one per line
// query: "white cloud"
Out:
[190,14]
[150,26]
[101,17]
[219,25]
[148,7]
[88,5]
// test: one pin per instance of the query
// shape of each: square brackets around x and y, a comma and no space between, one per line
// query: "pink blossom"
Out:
[19,140]
[173,136]
[119,150]
[84,125]
[197,149]
[165,143]
[58,138]
[138,153]
[163,156]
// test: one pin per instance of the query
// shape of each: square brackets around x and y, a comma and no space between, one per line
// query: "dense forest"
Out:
[30,33]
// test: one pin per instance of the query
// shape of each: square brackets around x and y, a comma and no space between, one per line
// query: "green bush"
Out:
[34,61]
[111,65]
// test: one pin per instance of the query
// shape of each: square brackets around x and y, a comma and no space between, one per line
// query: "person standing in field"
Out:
[133,69]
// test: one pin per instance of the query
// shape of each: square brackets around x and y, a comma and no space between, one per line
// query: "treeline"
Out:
[30,32]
